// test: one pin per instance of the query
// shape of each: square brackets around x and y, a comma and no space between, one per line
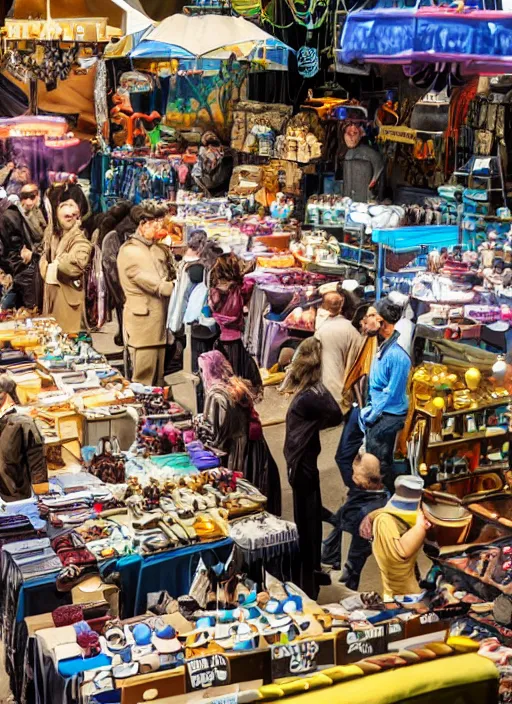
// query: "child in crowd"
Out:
[366,496]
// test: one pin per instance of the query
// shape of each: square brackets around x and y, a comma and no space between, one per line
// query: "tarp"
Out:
[135,19]
[193,36]
[123,47]
[407,238]
[428,35]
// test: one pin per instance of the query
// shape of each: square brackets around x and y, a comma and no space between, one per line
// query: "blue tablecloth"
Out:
[172,571]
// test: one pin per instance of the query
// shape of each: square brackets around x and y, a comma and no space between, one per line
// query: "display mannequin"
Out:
[362,166]
[67,253]
[398,531]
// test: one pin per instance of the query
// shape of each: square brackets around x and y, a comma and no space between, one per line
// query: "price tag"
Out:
[294,659]
[207,671]
[226,699]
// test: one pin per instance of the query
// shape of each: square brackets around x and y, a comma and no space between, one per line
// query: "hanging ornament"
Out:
[308,63]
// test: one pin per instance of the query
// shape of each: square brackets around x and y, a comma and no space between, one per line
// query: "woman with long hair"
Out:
[229,408]
[229,292]
[312,409]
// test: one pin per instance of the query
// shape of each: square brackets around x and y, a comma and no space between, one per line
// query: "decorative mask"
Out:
[352,136]
[308,64]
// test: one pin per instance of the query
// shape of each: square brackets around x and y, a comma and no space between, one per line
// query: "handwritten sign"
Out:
[207,671]
[294,659]
[364,643]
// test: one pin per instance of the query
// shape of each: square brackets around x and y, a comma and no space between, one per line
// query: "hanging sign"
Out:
[390,133]
[308,63]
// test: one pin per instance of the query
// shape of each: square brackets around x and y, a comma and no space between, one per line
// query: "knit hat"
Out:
[408,491]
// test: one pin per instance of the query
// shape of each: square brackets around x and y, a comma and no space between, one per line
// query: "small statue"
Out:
[134,488]
[152,494]
[487,250]
[281,209]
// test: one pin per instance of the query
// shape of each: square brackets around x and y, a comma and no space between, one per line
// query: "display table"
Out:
[171,571]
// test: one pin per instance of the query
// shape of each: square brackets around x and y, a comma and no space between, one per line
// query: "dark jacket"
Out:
[311,410]
[16,233]
[359,503]
[22,461]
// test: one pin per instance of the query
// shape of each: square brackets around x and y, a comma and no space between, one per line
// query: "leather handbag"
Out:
[108,463]
[451,522]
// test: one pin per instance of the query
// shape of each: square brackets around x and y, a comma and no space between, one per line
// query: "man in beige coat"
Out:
[145,271]
[67,253]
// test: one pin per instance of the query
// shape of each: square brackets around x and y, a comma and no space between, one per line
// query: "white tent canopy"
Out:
[135,19]
[201,35]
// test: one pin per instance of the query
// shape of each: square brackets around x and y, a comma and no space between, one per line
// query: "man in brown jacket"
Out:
[145,271]
[66,256]
[22,461]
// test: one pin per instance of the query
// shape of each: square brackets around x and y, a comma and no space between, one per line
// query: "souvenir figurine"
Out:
[487,250]
[134,488]
[281,209]
[151,494]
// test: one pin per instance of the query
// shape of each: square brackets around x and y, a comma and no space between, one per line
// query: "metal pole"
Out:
[32,97]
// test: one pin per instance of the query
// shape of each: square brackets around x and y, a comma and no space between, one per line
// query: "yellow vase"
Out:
[472,377]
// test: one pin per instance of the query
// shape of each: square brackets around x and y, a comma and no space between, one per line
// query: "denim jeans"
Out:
[8,300]
[350,442]
[359,551]
[380,441]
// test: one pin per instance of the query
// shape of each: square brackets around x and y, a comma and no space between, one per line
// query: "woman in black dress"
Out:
[312,409]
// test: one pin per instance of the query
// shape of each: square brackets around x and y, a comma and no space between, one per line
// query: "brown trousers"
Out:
[148,365]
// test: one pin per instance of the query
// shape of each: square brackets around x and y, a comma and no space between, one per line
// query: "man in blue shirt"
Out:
[384,415]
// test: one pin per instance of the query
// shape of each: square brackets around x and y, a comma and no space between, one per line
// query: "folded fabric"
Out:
[67,615]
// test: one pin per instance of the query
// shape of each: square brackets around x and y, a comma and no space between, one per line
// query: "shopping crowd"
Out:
[58,258]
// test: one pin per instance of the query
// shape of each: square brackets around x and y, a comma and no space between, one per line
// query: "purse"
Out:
[451,522]
[108,463]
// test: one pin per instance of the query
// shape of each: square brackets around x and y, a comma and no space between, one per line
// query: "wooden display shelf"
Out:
[467,438]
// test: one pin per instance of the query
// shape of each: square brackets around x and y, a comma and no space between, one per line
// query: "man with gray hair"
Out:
[340,344]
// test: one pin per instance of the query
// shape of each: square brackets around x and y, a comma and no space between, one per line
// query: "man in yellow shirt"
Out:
[398,532]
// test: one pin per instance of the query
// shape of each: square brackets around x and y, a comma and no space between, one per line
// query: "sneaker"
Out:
[345,575]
